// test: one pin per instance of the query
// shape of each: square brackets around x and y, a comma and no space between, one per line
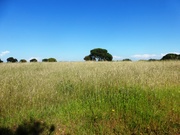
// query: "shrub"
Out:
[22,61]
[11,59]
[45,60]
[127,59]
[33,60]
[52,60]
[1,61]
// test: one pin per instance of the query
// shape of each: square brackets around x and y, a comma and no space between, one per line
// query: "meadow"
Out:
[91,98]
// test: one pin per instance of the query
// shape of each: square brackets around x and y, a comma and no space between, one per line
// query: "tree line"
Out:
[97,54]
[100,54]
[14,60]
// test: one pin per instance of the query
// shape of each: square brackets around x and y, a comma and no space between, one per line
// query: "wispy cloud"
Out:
[117,57]
[4,53]
[151,56]
[162,54]
[145,56]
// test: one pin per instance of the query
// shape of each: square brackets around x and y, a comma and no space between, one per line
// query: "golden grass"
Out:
[65,92]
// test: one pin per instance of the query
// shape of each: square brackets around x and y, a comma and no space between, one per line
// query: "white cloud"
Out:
[163,54]
[145,56]
[151,56]
[117,57]
[4,53]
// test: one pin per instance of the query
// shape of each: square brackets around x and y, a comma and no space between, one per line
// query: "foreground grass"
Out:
[92,97]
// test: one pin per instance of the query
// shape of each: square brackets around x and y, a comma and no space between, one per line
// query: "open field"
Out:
[92,97]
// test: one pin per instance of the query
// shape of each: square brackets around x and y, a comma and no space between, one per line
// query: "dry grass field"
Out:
[102,98]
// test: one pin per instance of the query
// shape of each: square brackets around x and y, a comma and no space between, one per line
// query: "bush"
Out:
[49,60]
[1,61]
[11,59]
[33,60]
[126,60]
[22,61]
[44,60]
[152,60]
[52,60]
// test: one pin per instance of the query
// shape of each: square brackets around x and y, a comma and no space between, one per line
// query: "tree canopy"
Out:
[171,56]
[49,60]
[52,60]
[99,54]
[45,60]
[22,61]
[153,60]
[1,61]
[11,59]
[33,60]
[127,59]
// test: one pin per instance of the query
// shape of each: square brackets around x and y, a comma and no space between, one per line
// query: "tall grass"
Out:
[93,97]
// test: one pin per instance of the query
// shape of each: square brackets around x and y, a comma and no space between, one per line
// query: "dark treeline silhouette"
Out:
[126,59]
[97,54]
[14,60]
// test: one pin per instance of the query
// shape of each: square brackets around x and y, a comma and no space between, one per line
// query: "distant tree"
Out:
[127,59]
[142,60]
[45,60]
[171,56]
[1,61]
[49,60]
[11,59]
[52,60]
[33,60]
[22,61]
[99,54]
[152,60]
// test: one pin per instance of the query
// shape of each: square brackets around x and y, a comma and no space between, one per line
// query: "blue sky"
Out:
[68,29]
